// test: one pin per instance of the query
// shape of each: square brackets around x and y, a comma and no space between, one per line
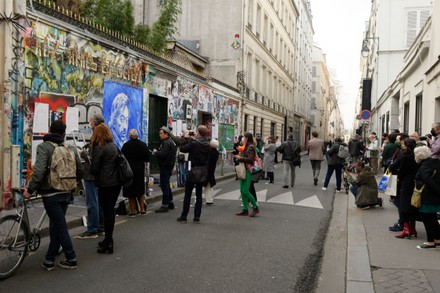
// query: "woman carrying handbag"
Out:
[247,155]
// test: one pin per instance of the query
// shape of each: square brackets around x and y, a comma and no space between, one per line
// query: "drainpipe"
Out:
[6,31]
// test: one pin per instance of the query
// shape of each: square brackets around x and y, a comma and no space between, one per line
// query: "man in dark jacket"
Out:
[55,201]
[334,163]
[166,157]
[289,149]
[198,150]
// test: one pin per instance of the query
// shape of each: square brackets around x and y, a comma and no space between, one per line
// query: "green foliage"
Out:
[117,15]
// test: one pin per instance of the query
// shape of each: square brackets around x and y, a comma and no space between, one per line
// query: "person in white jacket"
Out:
[373,152]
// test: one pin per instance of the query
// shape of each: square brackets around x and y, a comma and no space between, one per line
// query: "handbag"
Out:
[257,166]
[416,198]
[241,171]
[198,174]
[124,170]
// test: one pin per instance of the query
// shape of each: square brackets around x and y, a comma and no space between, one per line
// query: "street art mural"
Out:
[122,110]
[60,62]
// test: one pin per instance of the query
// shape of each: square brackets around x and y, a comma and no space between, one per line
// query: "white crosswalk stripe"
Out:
[286,198]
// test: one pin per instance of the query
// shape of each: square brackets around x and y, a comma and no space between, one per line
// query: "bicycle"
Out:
[16,236]
[346,168]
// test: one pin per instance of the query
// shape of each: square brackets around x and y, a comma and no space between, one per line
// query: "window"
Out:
[255,125]
[418,120]
[250,14]
[273,126]
[265,29]
[313,87]
[383,123]
[257,75]
[261,126]
[314,71]
[245,122]
[415,20]
[388,123]
[258,22]
[406,117]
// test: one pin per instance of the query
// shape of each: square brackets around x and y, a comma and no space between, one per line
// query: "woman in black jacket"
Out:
[137,154]
[104,167]
[406,174]
[429,176]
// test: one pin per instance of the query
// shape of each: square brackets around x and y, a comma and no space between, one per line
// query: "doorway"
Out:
[158,116]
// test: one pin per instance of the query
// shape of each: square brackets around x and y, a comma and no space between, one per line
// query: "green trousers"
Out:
[246,196]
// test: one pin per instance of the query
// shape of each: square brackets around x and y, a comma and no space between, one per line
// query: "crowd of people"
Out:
[415,160]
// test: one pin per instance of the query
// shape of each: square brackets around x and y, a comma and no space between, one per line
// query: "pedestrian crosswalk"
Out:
[286,198]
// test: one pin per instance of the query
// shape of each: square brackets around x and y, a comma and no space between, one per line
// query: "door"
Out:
[158,115]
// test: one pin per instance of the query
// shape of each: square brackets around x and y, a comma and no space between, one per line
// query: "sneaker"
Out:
[48,267]
[396,228]
[196,220]
[285,186]
[171,206]
[338,191]
[365,208]
[101,232]
[68,264]
[254,212]
[181,220]
[132,215]
[242,213]
[88,235]
[379,201]
[162,210]
[324,188]
[425,246]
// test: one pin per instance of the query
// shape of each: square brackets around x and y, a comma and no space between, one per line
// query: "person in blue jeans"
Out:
[334,164]
[55,201]
[166,158]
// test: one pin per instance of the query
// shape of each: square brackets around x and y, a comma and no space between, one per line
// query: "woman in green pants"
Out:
[247,156]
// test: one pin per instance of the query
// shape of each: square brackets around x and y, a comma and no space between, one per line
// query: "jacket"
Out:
[406,175]
[367,187]
[332,153]
[388,152]
[198,150]
[288,148]
[316,149]
[355,146]
[105,165]
[86,162]
[39,181]
[431,192]
[137,154]
[212,164]
[166,155]
[248,155]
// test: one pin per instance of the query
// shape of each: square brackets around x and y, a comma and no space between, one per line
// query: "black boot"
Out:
[105,246]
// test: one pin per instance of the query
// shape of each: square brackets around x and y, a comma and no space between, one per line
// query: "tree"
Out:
[117,15]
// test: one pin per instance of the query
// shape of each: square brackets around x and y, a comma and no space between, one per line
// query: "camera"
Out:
[429,135]
[191,133]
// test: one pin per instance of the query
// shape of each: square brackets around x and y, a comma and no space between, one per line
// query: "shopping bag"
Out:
[241,171]
[384,181]
[391,189]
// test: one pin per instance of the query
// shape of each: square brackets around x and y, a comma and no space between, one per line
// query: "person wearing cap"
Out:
[166,157]
[137,154]
[95,217]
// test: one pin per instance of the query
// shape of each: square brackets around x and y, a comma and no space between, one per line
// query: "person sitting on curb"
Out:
[364,187]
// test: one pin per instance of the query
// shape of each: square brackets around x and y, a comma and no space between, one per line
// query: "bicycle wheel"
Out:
[13,245]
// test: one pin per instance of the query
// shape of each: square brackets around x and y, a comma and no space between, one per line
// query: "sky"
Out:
[339,26]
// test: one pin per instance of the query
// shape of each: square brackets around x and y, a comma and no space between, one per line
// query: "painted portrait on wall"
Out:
[122,109]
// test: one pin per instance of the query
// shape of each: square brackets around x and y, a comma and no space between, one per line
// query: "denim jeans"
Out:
[330,169]
[354,190]
[167,195]
[183,170]
[56,207]
[95,218]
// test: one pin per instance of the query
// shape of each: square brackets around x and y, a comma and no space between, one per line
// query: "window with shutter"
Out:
[415,20]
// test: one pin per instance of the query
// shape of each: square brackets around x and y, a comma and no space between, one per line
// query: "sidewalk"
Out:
[361,255]
[76,211]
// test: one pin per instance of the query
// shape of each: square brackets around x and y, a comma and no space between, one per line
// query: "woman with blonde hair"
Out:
[104,168]
[247,155]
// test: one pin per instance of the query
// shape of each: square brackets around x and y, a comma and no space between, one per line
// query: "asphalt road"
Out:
[278,251]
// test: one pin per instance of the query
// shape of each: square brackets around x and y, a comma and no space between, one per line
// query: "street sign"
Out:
[365,114]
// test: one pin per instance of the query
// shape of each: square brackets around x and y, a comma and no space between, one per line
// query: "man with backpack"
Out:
[57,168]
[335,162]
[291,159]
